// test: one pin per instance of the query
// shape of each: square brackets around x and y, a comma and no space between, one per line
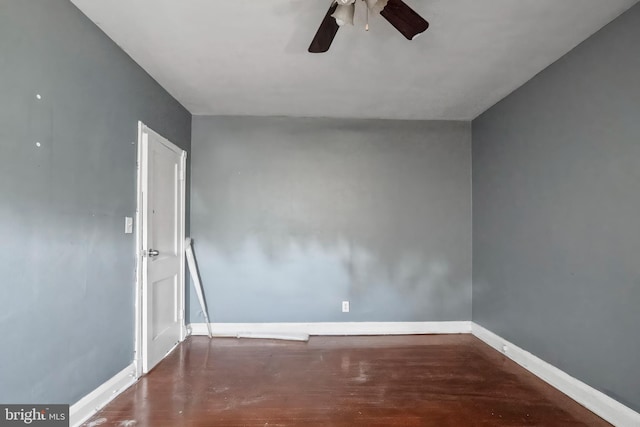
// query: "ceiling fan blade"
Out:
[405,19]
[326,32]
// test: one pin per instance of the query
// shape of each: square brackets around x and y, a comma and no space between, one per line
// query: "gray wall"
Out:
[67,290]
[292,216]
[556,213]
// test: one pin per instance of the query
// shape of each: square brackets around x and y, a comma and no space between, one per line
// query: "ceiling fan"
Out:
[341,12]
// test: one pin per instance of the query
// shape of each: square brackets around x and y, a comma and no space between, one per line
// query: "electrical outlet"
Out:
[345,306]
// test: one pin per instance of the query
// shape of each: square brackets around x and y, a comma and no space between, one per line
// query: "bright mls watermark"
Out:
[34,415]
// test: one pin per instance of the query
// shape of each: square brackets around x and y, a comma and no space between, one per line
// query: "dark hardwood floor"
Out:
[420,380]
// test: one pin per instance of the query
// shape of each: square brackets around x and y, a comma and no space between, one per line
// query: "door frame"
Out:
[141,182]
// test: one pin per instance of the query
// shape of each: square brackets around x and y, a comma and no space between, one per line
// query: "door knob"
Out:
[153,252]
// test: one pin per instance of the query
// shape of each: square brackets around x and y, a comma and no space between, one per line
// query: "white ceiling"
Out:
[244,57]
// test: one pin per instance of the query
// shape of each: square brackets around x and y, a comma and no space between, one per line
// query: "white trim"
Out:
[137,356]
[84,408]
[597,402]
[332,328]
[183,236]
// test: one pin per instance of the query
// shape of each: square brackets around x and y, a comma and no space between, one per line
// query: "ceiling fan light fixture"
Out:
[344,13]
[341,12]
[375,6]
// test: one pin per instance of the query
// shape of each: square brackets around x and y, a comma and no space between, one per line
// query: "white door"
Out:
[161,245]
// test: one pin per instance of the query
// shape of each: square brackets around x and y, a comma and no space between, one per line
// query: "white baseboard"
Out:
[333,328]
[597,402]
[92,402]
